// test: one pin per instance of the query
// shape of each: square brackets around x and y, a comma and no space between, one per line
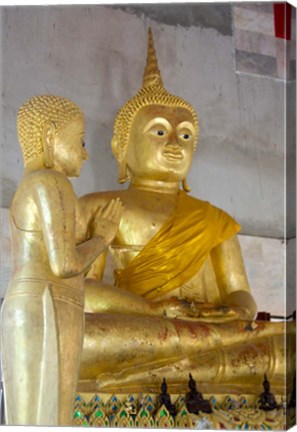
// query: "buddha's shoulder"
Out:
[198,203]
[210,210]
[220,222]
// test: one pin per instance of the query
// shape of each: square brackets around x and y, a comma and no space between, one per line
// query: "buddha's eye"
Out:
[83,144]
[186,136]
[158,130]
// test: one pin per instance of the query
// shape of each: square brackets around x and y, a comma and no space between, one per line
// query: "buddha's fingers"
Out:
[217,313]
[117,211]
[112,210]
[217,319]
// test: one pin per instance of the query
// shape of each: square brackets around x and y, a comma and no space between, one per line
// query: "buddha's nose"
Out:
[173,141]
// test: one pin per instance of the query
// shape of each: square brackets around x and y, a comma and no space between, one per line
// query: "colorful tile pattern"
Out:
[232,412]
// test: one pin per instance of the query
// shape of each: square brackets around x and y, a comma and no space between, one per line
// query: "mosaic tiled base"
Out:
[141,412]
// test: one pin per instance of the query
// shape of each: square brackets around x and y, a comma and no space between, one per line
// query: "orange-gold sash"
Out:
[176,253]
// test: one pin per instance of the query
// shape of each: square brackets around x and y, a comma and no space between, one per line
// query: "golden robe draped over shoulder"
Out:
[177,252]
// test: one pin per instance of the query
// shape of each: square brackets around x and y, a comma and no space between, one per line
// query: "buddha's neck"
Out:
[154,185]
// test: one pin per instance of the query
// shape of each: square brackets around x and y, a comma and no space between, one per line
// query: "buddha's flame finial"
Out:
[152,74]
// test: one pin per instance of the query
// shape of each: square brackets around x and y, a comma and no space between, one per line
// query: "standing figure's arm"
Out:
[56,203]
[89,212]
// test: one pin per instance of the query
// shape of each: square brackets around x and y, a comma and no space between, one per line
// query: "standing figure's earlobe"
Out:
[48,144]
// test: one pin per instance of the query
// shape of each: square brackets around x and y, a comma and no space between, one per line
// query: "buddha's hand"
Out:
[191,310]
[106,220]
[180,308]
[218,314]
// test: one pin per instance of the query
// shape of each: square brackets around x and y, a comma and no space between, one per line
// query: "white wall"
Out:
[96,55]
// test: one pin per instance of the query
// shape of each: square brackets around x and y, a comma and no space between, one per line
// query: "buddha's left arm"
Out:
[232,279]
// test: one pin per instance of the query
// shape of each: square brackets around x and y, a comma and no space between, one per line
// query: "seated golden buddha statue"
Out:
[42,318]
[180,302]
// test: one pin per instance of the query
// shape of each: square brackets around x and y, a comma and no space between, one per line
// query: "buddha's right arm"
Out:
[55,200]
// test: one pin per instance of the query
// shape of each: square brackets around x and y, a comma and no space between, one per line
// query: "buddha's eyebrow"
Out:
[186,124]
[160,120]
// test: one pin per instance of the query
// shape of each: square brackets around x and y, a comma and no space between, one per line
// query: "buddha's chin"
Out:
[176,170]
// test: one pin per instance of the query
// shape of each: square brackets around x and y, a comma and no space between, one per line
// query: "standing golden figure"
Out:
[42,322]
[181,301]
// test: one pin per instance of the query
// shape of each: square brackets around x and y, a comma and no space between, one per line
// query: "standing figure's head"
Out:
[51,132]
[155,132]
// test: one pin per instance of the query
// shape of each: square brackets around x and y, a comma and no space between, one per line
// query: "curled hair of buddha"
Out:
[34,114]
[152,92]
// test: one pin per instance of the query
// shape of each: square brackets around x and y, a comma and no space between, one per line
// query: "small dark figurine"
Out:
[194,399]
[267,400]
[164,399]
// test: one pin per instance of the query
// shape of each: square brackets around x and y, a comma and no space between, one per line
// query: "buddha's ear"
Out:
[48,134]
[115,147]
[120,157]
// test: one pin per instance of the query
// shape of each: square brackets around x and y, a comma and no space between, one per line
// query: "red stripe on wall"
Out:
[282,20]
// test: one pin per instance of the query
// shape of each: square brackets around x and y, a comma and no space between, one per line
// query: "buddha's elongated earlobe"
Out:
[123,174]
[185,185]
[118,153]
[48,144]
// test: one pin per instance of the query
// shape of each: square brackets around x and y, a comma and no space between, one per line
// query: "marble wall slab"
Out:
[253,42]
[254,21]
[257,50]
[265,260]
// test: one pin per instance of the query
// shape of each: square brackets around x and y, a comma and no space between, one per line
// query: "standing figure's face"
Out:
[68,148]
[161,143]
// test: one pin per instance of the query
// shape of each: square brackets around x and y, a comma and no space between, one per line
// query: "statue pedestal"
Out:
[229,411]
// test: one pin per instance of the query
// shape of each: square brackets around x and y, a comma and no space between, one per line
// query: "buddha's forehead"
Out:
[173,115]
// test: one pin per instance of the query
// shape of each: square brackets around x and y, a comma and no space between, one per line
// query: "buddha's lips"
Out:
[173,156]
